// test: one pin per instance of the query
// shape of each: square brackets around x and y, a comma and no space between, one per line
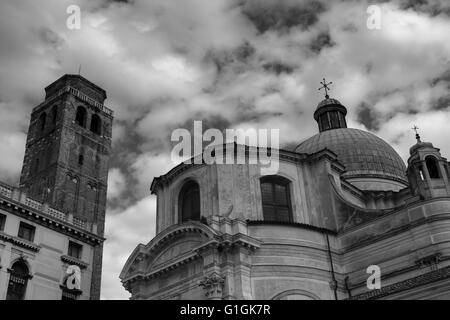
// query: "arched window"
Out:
[276,200]
[96,124]
[80,117]
[42,119]
[189,202]
[432,167]
[54,114]
[36,165]
[18,280]
[80,160]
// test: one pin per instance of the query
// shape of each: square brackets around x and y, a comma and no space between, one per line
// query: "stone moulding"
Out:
[286,155]
[49,221]
[75,261]
[19,242]
[77,93]
[214,240]
[420,280]
[213,285]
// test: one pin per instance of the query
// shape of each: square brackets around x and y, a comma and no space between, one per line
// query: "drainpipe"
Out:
[347,287]
[333,278]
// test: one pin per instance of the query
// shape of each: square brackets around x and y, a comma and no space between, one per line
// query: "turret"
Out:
[428,172]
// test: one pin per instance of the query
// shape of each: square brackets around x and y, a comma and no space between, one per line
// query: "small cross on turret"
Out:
[417,134]
[325,86]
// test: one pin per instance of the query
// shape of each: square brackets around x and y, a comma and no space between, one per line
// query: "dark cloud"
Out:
[430,7]
[323,40]
[239,56]
[278,67]
[281,16]
[51,38]
[367,116]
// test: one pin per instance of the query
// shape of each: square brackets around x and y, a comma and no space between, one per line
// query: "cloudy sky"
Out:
[230,63]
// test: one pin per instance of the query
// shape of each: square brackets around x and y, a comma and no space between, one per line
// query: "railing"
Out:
[57,214]
[79,223]
[17,195]
[33,204]
[80,95]
[91,101]
[5,190]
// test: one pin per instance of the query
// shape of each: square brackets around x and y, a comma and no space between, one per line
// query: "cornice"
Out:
[420,280]
[48,221]
[74,261]
[19,242]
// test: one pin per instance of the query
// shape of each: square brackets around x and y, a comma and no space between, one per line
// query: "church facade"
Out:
[342,202]
[52,224]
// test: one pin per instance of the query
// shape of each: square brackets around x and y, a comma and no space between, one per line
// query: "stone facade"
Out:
[46,255]
[66,157]
[339,226]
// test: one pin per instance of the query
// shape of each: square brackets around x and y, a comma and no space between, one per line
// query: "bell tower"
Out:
[428,171]
[67,152]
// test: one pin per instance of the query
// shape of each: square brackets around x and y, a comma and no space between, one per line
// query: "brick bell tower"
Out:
[67,152]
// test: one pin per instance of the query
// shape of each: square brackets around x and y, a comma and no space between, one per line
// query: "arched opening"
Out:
[276,200]
[42,119]
[36,165]
[432,167]
[189,202]
[80,117]
[17,286]
[54,114]
[80,160]
[96,124]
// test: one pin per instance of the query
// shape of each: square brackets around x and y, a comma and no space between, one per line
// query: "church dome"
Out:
[363,154]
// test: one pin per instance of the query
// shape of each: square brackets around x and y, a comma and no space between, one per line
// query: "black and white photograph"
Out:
[225,150]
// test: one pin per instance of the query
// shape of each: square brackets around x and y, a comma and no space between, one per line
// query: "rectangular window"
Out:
[26,231]
[2,222]
[75,250]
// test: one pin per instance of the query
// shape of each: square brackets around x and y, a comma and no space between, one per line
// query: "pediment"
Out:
[174,246]
[178,248]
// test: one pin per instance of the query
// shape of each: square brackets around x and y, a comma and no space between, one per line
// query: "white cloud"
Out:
[116,183]
[124,231]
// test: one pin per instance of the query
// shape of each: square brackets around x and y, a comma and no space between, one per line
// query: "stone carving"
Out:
[213,286]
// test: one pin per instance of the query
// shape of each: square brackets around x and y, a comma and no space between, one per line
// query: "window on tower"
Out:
[54,114]
[334,119]
[36,165]
[42,119]
[80,117]
[432,166]
[276,200]
[80,159]
[96,124]
[189,202]
[324,122]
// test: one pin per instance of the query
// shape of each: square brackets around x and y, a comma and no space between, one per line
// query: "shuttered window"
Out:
[276,201]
